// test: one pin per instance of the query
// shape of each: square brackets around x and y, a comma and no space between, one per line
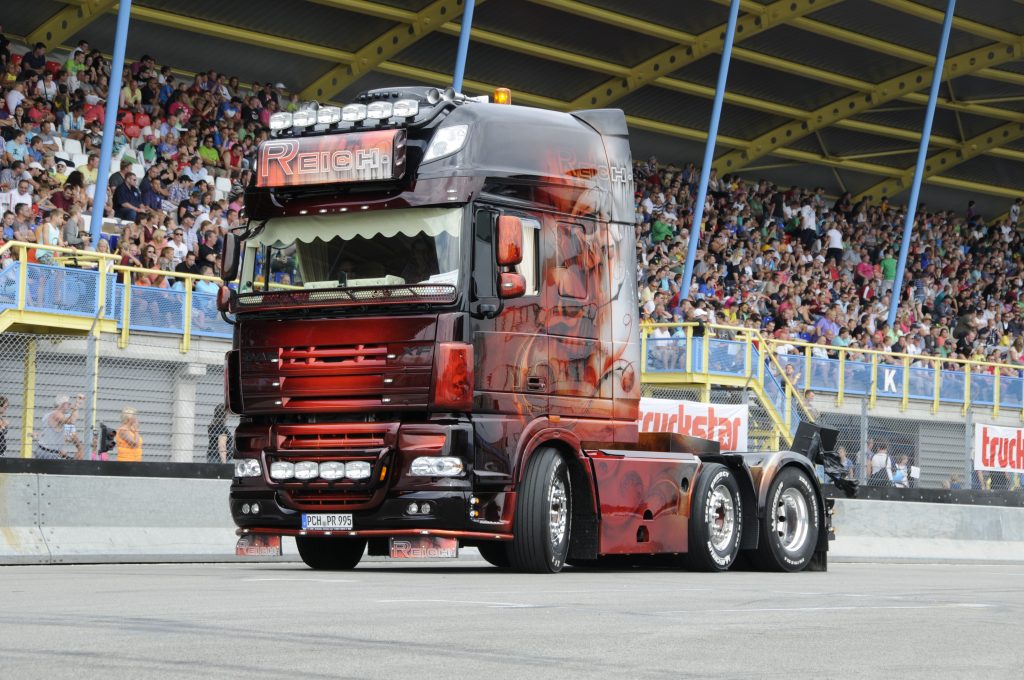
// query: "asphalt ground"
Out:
[466,620]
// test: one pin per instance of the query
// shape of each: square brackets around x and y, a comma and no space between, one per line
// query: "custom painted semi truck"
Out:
[436,345]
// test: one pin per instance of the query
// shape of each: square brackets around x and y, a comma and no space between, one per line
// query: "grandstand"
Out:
[796,259]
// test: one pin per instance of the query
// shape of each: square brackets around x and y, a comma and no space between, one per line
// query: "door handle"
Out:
[534,384]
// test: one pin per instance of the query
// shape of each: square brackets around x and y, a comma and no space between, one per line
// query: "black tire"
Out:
[791,523]
[539,546]
[495,552]
[716,520]
[330,554]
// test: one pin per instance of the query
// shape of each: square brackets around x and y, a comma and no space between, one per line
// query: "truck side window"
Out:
[571,273]
[531,243]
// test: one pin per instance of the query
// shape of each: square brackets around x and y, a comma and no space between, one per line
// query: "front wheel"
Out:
[330,554]
[791,523]
[716,520]
[543,518]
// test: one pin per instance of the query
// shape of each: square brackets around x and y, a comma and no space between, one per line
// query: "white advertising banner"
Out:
[998,449]
[724,423]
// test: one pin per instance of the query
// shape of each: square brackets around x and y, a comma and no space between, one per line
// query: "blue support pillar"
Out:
[124,11]
[709,149]
[460,57]
[922,154]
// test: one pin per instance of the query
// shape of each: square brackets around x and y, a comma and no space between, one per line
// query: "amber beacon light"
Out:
[502,95]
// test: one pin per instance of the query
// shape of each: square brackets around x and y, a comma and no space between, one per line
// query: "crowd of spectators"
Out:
[176,141]
[800,266]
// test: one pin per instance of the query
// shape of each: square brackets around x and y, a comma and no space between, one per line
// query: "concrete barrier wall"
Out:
[871,530]
[52,518]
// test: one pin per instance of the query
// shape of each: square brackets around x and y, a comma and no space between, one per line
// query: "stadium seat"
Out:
[142,120]
[16,59]
[138,170]
[79,159]
[72,147]
[132,131]
[126,119]
[94,112]
[52,67]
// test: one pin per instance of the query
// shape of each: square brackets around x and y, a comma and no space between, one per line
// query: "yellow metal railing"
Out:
[752,376]
[879,359]
[103,263]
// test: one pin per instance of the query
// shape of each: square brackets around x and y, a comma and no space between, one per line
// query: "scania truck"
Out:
[436,345]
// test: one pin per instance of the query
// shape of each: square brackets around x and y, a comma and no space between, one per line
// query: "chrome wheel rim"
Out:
[721,518]
[792,520]
[558,509]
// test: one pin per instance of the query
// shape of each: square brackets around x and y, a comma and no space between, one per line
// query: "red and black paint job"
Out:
[319,377]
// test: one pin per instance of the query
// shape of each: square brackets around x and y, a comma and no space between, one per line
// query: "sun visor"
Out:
[281,231]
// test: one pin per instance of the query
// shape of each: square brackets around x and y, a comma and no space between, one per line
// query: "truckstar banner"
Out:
[724,423]
[368,156]
[998,449]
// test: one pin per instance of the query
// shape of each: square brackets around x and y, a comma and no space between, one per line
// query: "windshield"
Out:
[379,249]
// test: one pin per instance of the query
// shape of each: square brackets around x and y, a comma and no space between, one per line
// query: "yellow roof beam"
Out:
[890,49]
[434,78]
[960,23]
[944,160]
[241,35]
[708,42]
[782,135]
[68,21]
[382,48]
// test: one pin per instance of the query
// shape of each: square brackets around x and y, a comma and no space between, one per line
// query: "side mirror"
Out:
[512,285]
[230,256]
[510,241]
[224,298]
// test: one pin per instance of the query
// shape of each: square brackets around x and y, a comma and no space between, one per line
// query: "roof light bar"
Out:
[328,115]
[280,121]
[353,113]
[379,110]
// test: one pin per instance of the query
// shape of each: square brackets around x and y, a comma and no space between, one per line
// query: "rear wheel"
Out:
[330,554]
[543,518]
[716,520]
[495,552]
[791,523]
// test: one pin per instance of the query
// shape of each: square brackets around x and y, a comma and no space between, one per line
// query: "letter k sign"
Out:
[890,379]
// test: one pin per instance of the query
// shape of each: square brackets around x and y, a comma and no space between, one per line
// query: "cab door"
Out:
[575,287]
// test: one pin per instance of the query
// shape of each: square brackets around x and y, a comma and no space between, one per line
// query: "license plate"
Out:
[424,547]
[322,521]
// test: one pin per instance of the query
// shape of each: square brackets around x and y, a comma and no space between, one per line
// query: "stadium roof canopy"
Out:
[821,92]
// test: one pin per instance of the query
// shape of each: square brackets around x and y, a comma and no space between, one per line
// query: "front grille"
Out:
[334,356]
[316,437]
[326,499]
[342,442]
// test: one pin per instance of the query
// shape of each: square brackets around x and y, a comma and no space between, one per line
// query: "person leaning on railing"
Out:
[127,437]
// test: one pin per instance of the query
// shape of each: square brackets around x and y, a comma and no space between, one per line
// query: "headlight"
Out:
[446,141]
[405,108]
[359,469]
[353,112]
[328,114]
[304,118]
[307,469]
[332,470]
[281,121]
[379,110]
[248,467]
[282,470]
[436,466]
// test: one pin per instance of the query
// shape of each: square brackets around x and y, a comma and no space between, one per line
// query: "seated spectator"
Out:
[128,199]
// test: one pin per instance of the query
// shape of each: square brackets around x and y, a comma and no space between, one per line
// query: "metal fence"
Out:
[174,394]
